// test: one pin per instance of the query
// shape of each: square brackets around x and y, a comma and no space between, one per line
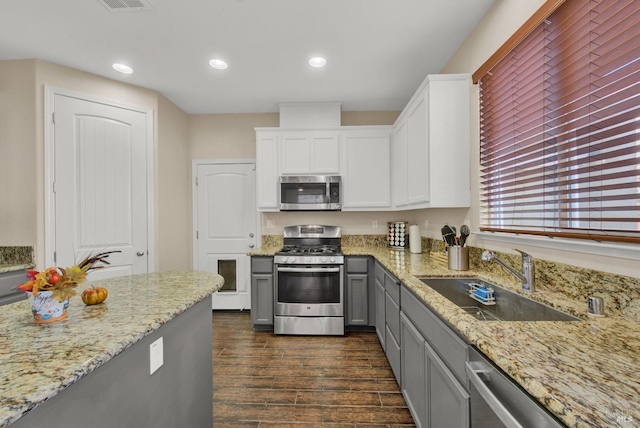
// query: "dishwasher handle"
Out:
[477,369]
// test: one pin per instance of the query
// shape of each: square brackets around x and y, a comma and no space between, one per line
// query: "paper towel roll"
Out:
[415,239]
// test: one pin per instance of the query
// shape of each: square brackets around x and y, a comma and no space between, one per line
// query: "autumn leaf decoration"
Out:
[63,281]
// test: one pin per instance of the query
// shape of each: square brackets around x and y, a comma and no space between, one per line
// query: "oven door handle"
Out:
[308,270]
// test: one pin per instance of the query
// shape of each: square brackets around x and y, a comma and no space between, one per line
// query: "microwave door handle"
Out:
[308,270]
[473,373]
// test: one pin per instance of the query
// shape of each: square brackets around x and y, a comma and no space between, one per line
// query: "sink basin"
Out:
[509,306]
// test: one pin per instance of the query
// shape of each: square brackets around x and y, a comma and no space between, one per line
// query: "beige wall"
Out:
[227,136]
[173,219]
[19,170]
[22,161]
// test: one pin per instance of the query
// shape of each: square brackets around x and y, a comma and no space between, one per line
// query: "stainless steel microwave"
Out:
[309,193]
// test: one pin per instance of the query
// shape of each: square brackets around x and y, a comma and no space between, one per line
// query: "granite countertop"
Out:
[12,267]
[585,373]
[39,361]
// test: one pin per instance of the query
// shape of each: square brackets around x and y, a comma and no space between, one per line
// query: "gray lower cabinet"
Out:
[392,321]
[435,394]
[414,376]
[8,282]
[380,304]
[358,299]
[262,292]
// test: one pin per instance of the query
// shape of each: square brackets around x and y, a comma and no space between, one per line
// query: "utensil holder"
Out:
[458,257]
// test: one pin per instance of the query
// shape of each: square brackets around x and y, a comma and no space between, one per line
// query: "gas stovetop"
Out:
[310,245]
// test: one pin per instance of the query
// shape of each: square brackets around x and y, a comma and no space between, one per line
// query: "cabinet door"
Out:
[380,309]
[366,177]
[393,355]
[418,166]
[267,172]
[262,299]
[324,152]
[294,154]
[400,159]
[414,379]
[448,400]
[357,299]
[449,148]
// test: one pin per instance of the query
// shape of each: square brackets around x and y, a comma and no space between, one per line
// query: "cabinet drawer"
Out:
[392,285]
[449,346]
[261,264]
[392,312]
[357,265]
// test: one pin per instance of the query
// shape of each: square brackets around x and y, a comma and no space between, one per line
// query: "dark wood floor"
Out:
[263,380]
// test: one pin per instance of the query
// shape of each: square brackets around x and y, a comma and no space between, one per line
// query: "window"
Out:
[560,127]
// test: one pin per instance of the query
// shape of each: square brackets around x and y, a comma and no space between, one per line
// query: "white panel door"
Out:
[226,228]
[100,185]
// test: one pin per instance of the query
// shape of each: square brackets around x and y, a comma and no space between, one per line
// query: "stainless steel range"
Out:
[309,282]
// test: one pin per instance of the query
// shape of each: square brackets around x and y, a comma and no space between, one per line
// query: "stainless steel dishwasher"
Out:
[497,401]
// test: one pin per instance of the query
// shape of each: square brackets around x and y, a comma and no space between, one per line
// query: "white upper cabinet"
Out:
[399,164]
[366,169]
[267,171]
[431,146]
[309,152]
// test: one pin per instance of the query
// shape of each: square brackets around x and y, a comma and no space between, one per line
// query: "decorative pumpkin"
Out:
[94,295]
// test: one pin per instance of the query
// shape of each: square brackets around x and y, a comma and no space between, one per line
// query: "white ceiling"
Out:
[378,51]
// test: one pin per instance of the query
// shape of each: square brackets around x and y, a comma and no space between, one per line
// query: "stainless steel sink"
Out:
[509,306]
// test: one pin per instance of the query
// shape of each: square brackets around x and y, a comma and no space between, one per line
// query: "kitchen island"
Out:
[93,369]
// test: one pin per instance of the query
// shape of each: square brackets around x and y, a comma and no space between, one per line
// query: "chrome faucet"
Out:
[528,269]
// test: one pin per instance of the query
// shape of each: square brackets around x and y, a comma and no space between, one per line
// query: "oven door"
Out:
[309,291]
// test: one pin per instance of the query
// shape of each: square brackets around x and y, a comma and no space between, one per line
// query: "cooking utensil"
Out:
[448,235]
[464,233]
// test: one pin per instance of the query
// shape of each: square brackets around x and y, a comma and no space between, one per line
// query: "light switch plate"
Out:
[156,355]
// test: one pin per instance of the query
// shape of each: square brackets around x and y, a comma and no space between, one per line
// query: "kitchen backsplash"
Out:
[16,255]
[621,294]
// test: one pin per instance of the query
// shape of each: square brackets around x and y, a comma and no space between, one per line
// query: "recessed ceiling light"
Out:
[218,64]
[124,69]
[317,62]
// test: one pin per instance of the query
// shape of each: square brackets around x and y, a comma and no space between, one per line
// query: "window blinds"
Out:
[560,127]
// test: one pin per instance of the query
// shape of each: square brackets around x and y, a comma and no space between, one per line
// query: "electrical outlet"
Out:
[374,224]
[156,355]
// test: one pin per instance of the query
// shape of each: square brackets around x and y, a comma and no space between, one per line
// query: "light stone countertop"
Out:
[586,373]
[12,267]
[39,361]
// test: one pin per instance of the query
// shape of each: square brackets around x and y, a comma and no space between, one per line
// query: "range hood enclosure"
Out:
[310,115]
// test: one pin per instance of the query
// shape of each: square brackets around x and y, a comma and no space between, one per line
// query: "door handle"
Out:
[140,253]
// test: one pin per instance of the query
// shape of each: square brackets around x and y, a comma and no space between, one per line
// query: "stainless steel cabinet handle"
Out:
[251,245]
[140,253]
[251,235]
[474,370]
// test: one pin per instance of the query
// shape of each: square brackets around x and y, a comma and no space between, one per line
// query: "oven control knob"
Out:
[332,259]
[292,259]
[307,259]
[324,260]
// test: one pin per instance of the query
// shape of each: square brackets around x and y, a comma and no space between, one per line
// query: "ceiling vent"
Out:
[126,5]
